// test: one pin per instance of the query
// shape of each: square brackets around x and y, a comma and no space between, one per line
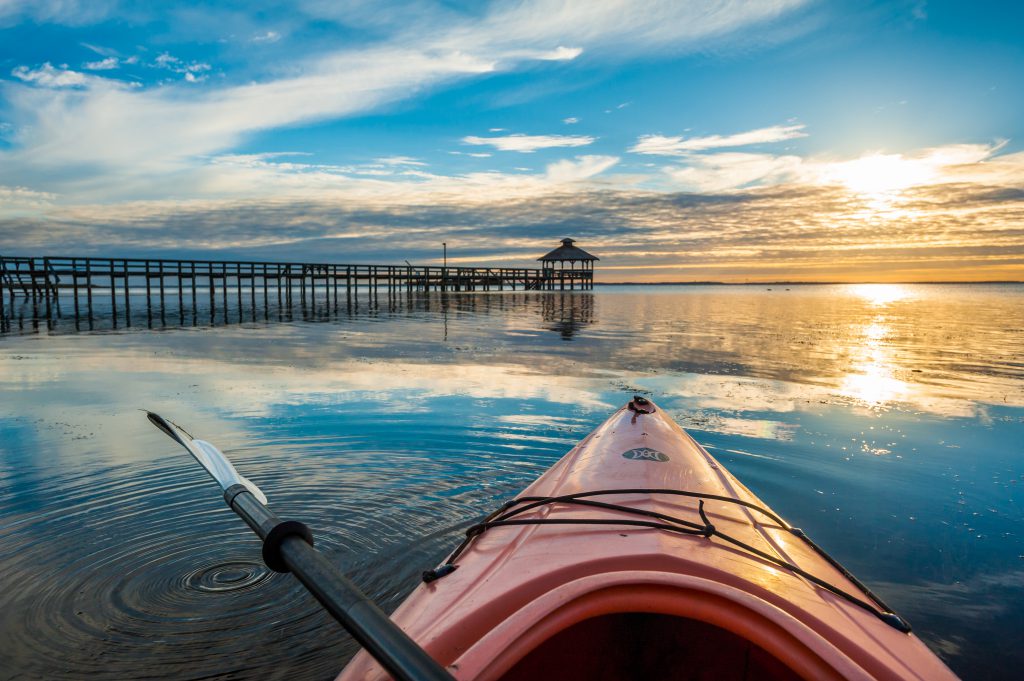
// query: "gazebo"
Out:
[560,274]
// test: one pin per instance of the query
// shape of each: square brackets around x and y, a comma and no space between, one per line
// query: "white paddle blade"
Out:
[208,456]
[256,491]
[218,466]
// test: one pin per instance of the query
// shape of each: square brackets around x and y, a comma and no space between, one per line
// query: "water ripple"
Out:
[143,564]
[388,430]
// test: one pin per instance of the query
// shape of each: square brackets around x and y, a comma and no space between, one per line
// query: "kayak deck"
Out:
[624,601]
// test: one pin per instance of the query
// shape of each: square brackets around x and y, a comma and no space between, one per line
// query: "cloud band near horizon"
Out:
[639,236]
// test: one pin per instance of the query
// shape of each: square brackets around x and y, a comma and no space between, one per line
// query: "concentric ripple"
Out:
[227,576]
[141,568]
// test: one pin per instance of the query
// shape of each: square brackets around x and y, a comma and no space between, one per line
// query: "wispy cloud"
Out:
[47,80]
[530,143]
[18,199]
[63,12]
[401,161]
[880,172]
[48,75]
[582,168]
[100,50]
[162,129]
[266,37]
[871,173]
[571,120]
[680,146]
[105,64]
[662,25]
[193,71]
[561,53]
[730,170]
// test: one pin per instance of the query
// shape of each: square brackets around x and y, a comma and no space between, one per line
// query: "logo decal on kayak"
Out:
[645,454]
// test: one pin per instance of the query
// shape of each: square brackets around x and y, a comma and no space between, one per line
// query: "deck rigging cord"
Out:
[505,516]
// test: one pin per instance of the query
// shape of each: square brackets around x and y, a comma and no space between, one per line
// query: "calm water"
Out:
[888,421]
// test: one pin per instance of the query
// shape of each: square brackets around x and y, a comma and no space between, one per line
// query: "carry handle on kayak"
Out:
[288,547]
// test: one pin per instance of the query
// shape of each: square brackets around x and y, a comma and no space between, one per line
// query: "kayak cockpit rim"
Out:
[679,599]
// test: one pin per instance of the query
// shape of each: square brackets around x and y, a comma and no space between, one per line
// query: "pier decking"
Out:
[212,284]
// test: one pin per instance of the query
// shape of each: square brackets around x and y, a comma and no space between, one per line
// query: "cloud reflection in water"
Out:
[397,422]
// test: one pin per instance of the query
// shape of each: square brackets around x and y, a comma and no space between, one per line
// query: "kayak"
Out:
[639,556]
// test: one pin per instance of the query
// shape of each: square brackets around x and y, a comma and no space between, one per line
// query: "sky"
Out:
[768,140]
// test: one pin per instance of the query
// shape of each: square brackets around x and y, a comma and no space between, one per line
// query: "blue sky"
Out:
[677,140]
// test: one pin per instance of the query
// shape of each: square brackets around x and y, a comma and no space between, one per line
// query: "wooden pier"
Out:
[76,286]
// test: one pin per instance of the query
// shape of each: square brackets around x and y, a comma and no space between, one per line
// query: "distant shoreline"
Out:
[797,283]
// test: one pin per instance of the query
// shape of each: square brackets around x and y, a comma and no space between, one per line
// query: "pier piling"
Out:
[43,281]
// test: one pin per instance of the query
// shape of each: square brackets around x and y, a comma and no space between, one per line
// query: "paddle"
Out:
[288,547]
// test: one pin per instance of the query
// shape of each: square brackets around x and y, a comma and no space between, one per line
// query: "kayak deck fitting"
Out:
[638,556]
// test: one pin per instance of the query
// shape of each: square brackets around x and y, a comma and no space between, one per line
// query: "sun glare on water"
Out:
[872,379]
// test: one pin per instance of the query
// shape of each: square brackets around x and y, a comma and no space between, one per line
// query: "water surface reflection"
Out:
[887,421]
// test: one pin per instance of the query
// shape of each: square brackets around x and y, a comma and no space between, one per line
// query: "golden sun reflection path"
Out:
[872,377]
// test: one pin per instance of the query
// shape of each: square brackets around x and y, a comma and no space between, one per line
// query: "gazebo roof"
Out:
[568,252]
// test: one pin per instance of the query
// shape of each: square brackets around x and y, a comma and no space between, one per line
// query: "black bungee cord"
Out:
[505,516]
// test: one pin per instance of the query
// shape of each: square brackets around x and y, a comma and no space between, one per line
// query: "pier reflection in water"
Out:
[886,421]
[565,312]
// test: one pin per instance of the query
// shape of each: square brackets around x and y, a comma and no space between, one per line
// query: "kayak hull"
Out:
[524,597]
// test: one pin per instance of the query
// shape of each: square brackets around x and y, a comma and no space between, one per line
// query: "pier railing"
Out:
[191,283]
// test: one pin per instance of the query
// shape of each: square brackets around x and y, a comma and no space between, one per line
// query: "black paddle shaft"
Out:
[287,547]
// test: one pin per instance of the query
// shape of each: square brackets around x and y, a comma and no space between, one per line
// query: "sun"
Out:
[881,174]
